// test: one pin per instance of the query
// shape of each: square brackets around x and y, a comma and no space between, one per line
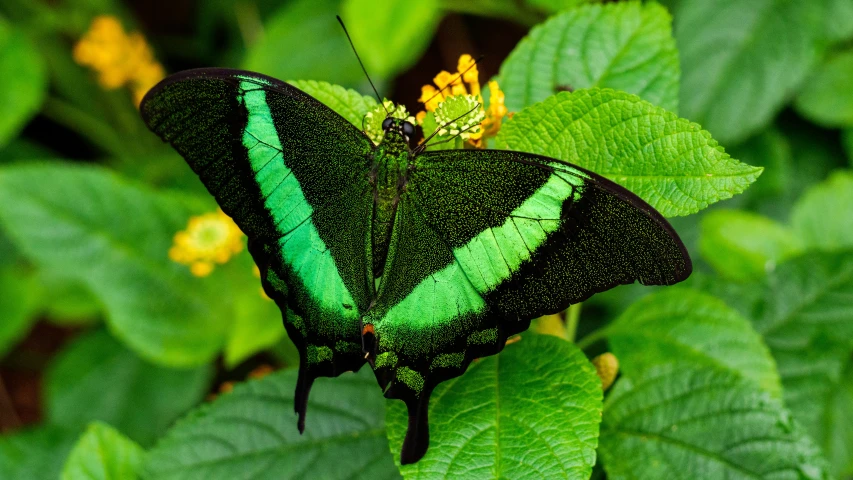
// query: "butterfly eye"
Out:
[386,124]
[408,129]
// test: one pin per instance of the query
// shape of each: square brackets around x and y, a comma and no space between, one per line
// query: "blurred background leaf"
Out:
[24,82]
[96,378]
[741,61]
[71,219]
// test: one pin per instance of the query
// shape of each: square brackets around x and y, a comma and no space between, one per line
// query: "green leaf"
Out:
[744,246]
[103,453]
[670,162]
[806,323]
[390,35]
[827,98]
[772,150]
[555,5]
[687,423]
[19,293]
[37,453]
[96,378]
[833,425]
[822,217]
[306,33]
[532,410]
[687,327]
[114,237]
[625,46]
[344,434]
[741,61]
[67,301]
[839,20]
[348,103]
[809,298]
[24,83]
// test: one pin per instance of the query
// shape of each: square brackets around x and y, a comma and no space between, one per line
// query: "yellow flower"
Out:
[208,239]
[467,74]
[120,59]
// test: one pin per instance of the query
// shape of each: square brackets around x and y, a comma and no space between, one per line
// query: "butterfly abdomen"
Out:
[388,177]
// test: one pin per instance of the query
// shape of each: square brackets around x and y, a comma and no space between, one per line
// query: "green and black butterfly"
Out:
[413,261]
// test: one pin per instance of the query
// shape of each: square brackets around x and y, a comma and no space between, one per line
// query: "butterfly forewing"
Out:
[292,174]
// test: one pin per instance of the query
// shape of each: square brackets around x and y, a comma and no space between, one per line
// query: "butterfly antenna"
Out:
[457,77]
[360,63]
[420,148]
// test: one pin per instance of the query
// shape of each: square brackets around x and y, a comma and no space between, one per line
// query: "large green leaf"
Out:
[741,61]
[687,423]
[103,453]
[391,35]
[24,81]
[827,98]
[532,411]
[670,162]
[625,46]
[822,216]
[686,327]
[307,35]
[251,433]
[806,324]
[744,246]
[114,236]
[348,103]
[19,294]
[35,454]
[96,378]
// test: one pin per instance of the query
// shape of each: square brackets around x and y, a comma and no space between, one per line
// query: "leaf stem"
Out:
[573,316]
[593,337]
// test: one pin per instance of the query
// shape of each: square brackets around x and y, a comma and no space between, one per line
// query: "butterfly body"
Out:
[414,262]
[388,176]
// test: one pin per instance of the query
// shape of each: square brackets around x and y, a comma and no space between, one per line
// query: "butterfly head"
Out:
[400,126]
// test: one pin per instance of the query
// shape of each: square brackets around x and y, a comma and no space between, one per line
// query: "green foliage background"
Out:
[733,118]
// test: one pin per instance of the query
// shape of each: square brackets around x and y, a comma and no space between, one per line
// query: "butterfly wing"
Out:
[487,240]
[292,174]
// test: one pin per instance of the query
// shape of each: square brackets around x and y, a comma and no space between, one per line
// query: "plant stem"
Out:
[593,337]
[573,316]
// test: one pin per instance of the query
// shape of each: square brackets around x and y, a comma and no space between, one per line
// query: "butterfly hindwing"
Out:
[486,240]
[292,174]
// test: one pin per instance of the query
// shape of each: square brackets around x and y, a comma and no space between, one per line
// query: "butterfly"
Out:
[415,262]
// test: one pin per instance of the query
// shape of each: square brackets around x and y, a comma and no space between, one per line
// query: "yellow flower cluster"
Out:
[209,239]
[467,74]
[120,59]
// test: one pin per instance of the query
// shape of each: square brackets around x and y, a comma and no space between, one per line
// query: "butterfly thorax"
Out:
[388,178]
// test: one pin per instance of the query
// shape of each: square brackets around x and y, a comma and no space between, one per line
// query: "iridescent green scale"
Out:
[415,263]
